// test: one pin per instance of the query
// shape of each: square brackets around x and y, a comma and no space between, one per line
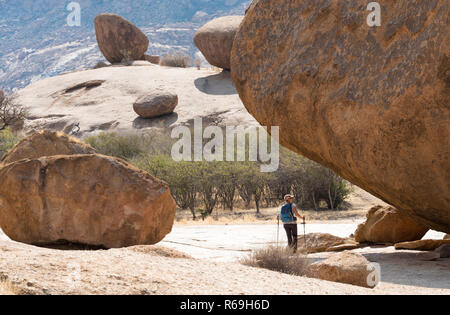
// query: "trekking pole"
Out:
[304,233]
[278,229]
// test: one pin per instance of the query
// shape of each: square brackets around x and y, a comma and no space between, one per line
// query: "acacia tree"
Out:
[229,173]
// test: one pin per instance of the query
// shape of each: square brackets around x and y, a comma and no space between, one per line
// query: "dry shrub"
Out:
[12,114]
[198,63]
[278,259]
[178,60]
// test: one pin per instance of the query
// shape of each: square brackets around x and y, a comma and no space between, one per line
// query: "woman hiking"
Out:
[289,215]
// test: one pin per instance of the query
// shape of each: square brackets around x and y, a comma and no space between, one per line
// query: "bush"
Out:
[130,146]
[208,185]
[125,147]
[8,140]
[12,114]
[178,60]
[278,259]
[182,177]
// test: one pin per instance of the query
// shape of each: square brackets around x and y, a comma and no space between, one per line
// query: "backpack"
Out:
[287,216]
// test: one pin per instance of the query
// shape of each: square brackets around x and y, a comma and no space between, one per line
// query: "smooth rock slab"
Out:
[83,199]
[369,103]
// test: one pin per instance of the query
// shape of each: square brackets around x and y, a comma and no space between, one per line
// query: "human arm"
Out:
[295,210]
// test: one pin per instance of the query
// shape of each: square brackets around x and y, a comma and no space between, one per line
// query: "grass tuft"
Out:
[278,259]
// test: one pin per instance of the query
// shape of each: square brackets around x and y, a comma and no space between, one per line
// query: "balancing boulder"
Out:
[371,103]
[118,39]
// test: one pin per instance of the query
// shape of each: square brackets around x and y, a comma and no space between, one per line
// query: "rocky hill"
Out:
[36,42]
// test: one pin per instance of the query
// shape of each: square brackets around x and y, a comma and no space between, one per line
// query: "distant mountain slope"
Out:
[36,42]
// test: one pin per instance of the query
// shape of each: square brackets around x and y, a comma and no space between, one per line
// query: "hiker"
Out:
[289,215]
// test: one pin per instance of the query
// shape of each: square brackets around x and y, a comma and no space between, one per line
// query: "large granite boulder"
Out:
[346,267]
[371,103]
[2,96]
[46,143]
[83,199]
[118,39]
[215,40]
[386,225]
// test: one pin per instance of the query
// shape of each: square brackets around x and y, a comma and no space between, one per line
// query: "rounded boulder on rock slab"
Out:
[387,225]
[118,39]
[346,267]
[83,199]
[155,104]
[371,103]
[215,40]
[46,143]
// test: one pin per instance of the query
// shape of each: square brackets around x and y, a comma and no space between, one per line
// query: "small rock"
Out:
[320,242]
[344,247]
[152,59]
[156,104]
[387,225]
[215,40]
[445,251]
[346,267]
[100,64]
[447,237]
[422,245]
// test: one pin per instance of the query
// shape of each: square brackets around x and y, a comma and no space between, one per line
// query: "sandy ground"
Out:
[208,265]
